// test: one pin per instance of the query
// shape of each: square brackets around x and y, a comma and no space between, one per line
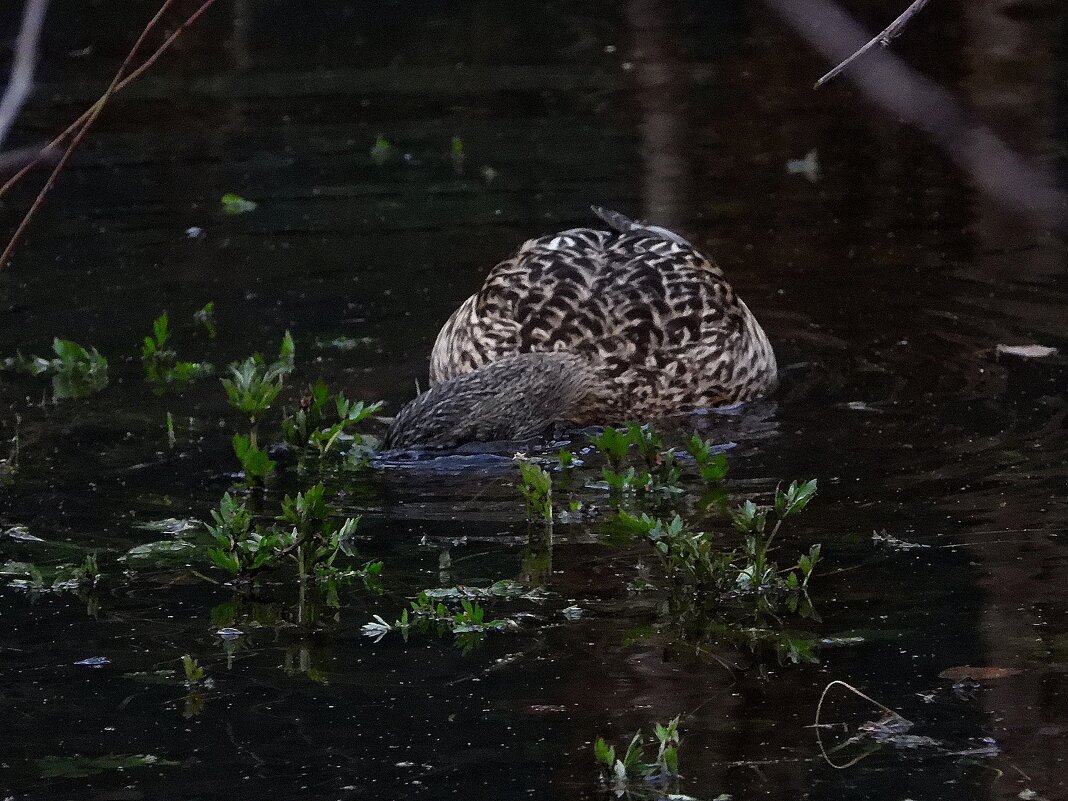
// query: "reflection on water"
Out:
[886,287]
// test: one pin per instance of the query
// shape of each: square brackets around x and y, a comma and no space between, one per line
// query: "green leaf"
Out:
[235,204]
[604,753]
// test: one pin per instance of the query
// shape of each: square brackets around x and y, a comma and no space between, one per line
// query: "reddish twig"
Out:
[81,126]
[884,38]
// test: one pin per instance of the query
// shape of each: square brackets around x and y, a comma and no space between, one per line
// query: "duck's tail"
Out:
[625,225]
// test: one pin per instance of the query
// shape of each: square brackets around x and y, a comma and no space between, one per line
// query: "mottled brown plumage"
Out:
[633,324]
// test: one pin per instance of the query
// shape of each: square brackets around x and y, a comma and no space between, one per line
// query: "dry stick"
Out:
[819,708]
[133,76]
[884,39]
[21,81]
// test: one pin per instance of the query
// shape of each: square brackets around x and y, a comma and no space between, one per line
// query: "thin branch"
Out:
[23,66]
[84,122]
[133,76]
[884,38]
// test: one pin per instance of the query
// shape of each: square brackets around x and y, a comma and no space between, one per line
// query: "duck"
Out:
[590,326]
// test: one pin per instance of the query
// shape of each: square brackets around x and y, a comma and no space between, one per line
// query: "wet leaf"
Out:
[170,525]
[77,767]
[235,204]
[163,551]
[1027,351]
[94,661]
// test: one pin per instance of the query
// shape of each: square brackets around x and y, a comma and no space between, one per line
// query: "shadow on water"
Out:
[884,279]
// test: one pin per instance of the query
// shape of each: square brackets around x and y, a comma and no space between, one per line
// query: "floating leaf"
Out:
[78,767]
[235,204]
[1027,351]
[163,550]
[94,661]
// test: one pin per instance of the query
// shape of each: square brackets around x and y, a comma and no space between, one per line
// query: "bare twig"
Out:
[23,66]
[133,76]
[819,708]
[884,38]
[81,126]
[1027,188]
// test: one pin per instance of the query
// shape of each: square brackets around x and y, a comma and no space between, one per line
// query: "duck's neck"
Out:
[515,398]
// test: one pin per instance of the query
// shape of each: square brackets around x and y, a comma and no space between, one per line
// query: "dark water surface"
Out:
[885,284]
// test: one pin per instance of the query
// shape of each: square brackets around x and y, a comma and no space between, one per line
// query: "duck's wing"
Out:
[633,300]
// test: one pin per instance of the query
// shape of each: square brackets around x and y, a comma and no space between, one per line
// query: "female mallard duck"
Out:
[589,327]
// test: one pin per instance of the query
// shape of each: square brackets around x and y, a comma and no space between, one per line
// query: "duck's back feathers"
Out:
[640,303]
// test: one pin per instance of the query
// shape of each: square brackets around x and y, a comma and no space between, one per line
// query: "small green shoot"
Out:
[205,318]
[633,773]
[253,385]
[323,420]
[457,156]
[162,367]
[194,673]
[537,489]
[76,371]
[381,151]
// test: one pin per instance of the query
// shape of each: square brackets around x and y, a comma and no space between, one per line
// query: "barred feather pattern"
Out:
[659,325]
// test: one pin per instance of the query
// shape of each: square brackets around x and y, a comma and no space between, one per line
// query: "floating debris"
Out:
[194,232]
[94,661]
[230,633]
[22,534]
[893,542]
[1027,351]
[155,550]
[573,612]
[809,166]
[170,525]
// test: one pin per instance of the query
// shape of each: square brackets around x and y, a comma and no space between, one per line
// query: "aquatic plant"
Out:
[76,371]
[632,773]
[58,578]
[255,463]
[323,420]
[752,522]
[194,673]
[658,468]
[699,558]
[163,369]
[711,466]
[310,539]
[253,384]
[205,318]
[469,624]
[537,488]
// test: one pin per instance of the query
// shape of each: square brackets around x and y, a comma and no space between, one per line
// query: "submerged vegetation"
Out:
[288,555]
